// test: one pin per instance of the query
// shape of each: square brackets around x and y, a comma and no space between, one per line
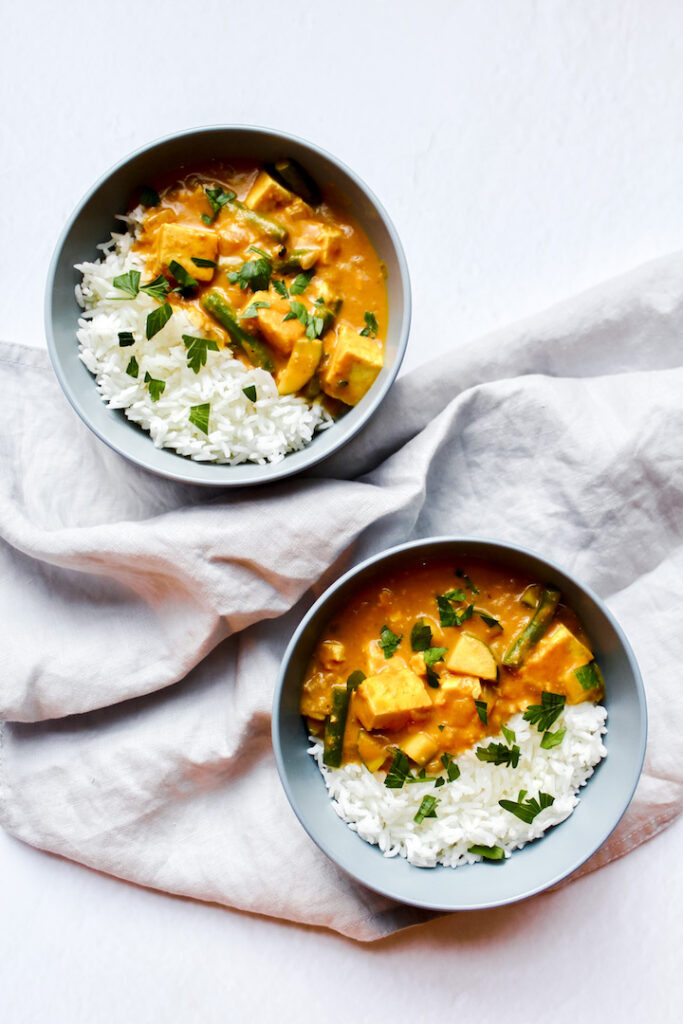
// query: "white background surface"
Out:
[525,150]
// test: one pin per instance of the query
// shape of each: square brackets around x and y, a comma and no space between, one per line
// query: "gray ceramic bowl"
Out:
[94,220]
[536,866]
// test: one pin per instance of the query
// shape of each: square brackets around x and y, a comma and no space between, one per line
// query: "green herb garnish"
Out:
[355,679]
[217,199]
[526,810]
[281,288]
[452,770]
[199,261]
[149,196]
[252,309]
[450,616]
[420,636]
[553,739]
[399,771]
[156,387]
[196,351]
[431,656]
[133,369]
[371,326]
[185,281]
[487,852]
[427,809]
[250,392]
[315,325]
[126,338]
[157,289]
[301,282]
[461,574]
[545,714]
[589,676]
[388,641]
[446,611]
[489,619]
[254,274]
[157,319]
[128,283]
[456,595]
[498,753]
[482,711]
[439,782]
[199,416]
[508,734]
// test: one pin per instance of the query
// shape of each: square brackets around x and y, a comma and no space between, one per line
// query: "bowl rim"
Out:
[414,546]
[187,468]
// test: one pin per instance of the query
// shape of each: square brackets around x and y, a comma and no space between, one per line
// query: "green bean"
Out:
[534,630]
[220,309]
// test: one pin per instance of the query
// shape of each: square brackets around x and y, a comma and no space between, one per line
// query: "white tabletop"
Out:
[525,150]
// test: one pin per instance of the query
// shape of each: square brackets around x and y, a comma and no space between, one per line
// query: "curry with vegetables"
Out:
[273,269]
[429,661]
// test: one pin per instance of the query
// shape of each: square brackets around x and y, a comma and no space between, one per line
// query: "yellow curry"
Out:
[434,658]
[267,265]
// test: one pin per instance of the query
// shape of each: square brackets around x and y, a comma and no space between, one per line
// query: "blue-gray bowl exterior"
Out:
[539,864]
[95,218]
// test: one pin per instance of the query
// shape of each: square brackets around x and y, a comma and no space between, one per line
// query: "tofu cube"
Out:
[553,661]
[389,699]
[267,194]
[420,747]
[326,241]
[180,243]
[332,653]
[454,687]
[352,366]
[280,333]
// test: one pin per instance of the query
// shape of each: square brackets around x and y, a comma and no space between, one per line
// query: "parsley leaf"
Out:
[126,338]
[553,739]
[252,310]
[355,679]
[199,261]
[420,636]
[156,387]
[371,326]
[254,274]
[433,678]
[589,676]
[250,392]
[281,288]
[482,711]
[487,852]
[498,753]
[185,280]
[196,351]
[157,319]
[199,416]
[388,641]
[217,199]
[301,282]
[157,289]
[450,616]
[466,580]
[149,196]
[509,734]
[128,283]
[427,809]
[439,782]
[489,619]
[452,770]
[446,611]
[433,654]
[526,810]
[133,369]
[399,771]
[545,714]
[456,595]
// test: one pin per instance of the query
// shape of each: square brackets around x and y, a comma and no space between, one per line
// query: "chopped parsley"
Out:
[355,679]
[133,369]
[217,197]
[254,274]
[199,261]
[196,351]
[186,282]
[509,734]
[461,574]
[498,753]
[450,616]
[420,636]
[526,810]
[589,676]
[157,319]
[433,654]
[446,610]
[545,714]
[252,309]
[399,771]
[156,387]
[482,711]
[199,416]
[388,641]
[486,617]
[301,282]
[281,288]
[250,392]
[126,338]
[157,289]
[456,595]
[487,852]
[149,196]
[128,283]
[452,770]
[371,326]
[553,739]
[315,325]
[427,809]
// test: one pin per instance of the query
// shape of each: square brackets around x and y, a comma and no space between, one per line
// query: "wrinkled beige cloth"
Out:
[143,622]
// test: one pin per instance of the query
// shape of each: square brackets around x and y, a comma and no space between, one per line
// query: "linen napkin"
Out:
[143,621]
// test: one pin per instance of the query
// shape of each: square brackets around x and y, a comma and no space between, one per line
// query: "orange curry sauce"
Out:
[449,720]
[347,274]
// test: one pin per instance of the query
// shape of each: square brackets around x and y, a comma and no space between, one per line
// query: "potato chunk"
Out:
[280,333]
[389,699]
[302,364]
[554,660]
[472,657]
[180,243]
[352,366]
[267,194]
[420,747]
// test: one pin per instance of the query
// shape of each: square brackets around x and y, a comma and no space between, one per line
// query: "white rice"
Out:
[239,430]
[468,812]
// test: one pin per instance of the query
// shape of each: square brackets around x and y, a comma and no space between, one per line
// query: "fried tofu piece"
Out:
[553,661]
[352,366]
[180,243]
[332,653]
[389,699]
[280,333]
[267,194]
[326,240]
[420,747]
[453,687]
